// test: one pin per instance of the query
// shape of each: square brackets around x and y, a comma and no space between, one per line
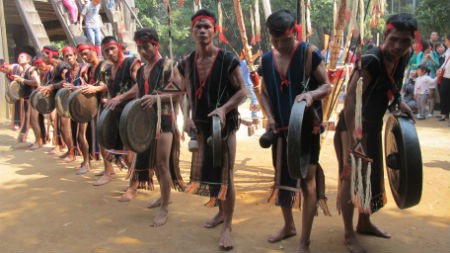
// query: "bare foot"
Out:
[303,247]
[160,219]
[284,233]
[128,195]
[216,220]
[353,245]
[156,203]
[35,146]
[53,151]
[69,158]
[84,168]
[371,229]
[103,180]
[226,243]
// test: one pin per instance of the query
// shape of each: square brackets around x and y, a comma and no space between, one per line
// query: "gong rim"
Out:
[82,108]
[137,126]
[44,105]
[108,128]
[404,172]
[298,158]
[62,102]
[14,90]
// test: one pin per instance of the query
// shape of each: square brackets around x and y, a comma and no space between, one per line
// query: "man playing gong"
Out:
[292,72]
[153,85]
[215,88]
[371,90]
[58,74]
[120,77]
[94,84]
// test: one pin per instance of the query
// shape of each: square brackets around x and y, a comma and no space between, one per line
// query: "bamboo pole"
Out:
[334,53]
[4,112]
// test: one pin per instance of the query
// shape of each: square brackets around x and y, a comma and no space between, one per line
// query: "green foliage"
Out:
[433,15]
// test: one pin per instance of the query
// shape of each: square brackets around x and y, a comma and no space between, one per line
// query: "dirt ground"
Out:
[45,207]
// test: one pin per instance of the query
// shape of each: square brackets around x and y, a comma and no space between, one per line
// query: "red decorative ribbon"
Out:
[296,28]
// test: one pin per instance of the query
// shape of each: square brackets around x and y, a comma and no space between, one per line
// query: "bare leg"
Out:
[288,230]
[108,169]
[347,207]
[66,133]
[131,192]
[163,149]
[84,146]
[226,241]
[309,208]
[34,121]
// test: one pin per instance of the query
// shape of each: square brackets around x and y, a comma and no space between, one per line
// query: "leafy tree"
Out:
[433,15]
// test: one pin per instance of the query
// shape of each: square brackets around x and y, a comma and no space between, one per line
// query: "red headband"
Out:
[50,51]
[196,19]
[37,62]
[68,49]
[296,28]
[82,47]
[119,47]
[222,37]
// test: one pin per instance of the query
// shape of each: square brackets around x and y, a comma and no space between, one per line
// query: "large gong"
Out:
[298,155]
[43,104]
[82,107]
[108,129]
[137,126]
[14,90]
[403,161]
[62,102]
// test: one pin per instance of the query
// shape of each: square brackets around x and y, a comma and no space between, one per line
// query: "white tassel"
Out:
[360,188]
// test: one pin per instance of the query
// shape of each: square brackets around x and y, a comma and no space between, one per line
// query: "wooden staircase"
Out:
[33,23]
[74,34]
[123,22]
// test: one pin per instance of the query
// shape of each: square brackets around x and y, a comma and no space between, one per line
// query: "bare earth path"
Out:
[45,207]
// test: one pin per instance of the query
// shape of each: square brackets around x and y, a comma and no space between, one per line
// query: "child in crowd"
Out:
[421,91]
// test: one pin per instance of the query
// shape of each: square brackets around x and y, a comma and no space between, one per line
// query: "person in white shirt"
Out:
[444,84]
[90,15]
[423,84]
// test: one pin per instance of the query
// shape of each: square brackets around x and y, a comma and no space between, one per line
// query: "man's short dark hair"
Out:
[204,12]
[280,21]
[403,22]
[54,49]
[150,33]
[108,39]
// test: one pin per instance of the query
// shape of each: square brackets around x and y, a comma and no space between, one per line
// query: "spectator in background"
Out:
[245,71]
[408,91]
[73,10]
[430,59]
[434,38]
[444,84]
[90,15]
[440,52]
[421,91]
